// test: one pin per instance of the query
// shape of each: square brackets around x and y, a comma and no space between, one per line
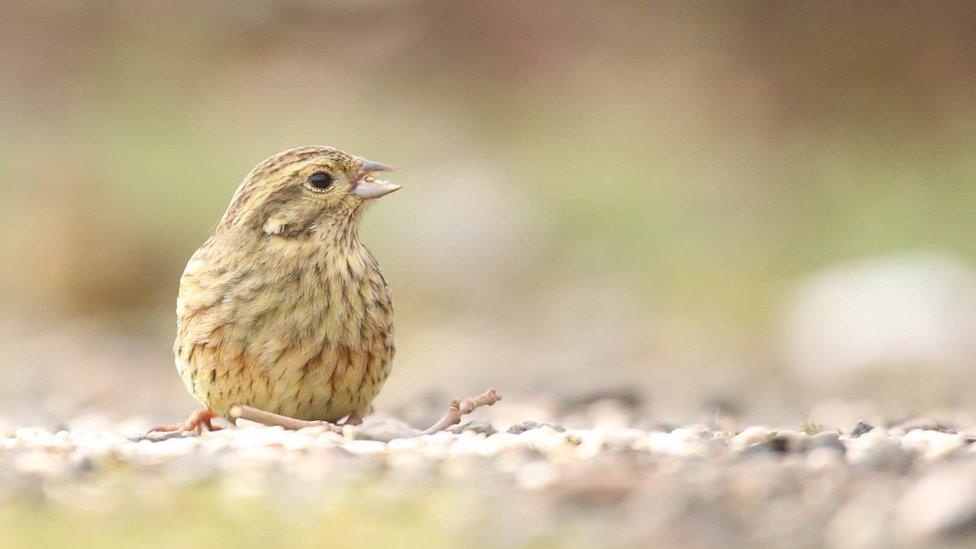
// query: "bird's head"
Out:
[306,191]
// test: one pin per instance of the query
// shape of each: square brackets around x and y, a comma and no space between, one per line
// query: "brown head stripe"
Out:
[277,162]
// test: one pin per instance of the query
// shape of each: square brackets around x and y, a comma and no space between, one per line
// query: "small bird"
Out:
[283,309]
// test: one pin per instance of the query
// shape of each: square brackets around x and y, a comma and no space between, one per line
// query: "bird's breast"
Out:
[277,331]
[288,295]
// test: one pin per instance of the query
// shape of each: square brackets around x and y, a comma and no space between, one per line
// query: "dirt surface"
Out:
[494,484]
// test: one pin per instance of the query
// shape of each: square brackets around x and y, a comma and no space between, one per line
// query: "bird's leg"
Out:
[198,421]
[240,411]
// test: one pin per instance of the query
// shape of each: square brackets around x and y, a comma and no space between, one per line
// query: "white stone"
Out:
[909,309]
[536,475]
[499,442]
[824,458]
[750,436]
[366,447]
[878,450]
[692,432]
[664,443]
[467,445]
[32,434]
[39,463]
[591,442]
[933,445]
[939,503]
[164,450]
[405,445]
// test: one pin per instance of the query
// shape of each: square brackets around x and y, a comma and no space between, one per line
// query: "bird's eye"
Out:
[320,180]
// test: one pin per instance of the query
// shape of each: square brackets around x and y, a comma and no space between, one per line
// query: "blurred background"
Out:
[708,211]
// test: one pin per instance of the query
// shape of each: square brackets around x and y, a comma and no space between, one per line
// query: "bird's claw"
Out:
[355,418]
[198,421]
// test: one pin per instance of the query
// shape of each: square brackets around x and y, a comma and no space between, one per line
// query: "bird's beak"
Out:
[366,186]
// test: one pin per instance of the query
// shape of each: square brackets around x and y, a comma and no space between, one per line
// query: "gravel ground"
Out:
[912,484]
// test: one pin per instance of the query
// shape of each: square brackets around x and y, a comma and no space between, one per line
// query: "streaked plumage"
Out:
[283,308]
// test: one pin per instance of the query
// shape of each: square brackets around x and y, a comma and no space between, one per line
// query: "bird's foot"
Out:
[461,407]
[198,421]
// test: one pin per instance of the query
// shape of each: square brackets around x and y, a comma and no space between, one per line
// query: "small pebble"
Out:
[530,425]
[480,427]
[383,430]
[750,436]
[365,447]
[933,445]
[827,439]
[861,428]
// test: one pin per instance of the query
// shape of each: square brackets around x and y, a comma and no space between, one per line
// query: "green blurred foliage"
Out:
[705,155]
[201,517]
